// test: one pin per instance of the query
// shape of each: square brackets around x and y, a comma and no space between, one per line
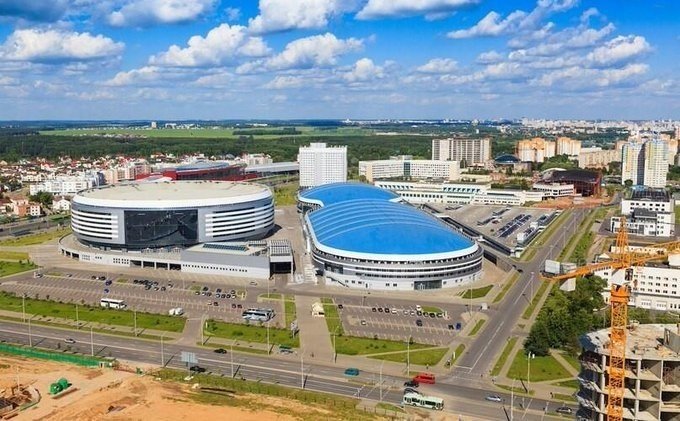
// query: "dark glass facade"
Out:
[161,228]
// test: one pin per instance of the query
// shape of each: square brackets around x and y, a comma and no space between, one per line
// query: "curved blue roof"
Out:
[329,194]
[381,227]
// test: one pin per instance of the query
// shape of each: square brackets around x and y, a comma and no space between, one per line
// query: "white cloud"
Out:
[364,70]
[285,82]
[438,65]
[153,12]
[57,45]
[620,49]
[232,13]
[223,79]
[491,25]
[489,57]
[283,15]
[314,51]
[589,13]
[577,77]
[141,76]
[219,47]
[377,9]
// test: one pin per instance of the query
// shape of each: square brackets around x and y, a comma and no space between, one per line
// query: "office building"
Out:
[321,165]
[568,146]
[468,152]
[652,374]
[535,150]
[409,169]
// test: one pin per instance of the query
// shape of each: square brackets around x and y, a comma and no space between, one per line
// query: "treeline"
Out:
[271,132]
[566,316]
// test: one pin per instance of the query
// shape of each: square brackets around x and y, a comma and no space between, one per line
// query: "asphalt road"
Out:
[9,230]
[476,361]
[293,370]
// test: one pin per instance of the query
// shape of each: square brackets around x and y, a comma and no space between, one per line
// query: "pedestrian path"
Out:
[315,341]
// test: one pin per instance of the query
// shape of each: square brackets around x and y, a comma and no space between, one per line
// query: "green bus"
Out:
[429,402]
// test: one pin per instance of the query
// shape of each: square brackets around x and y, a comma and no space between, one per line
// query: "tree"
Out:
[44,198]
[628,183]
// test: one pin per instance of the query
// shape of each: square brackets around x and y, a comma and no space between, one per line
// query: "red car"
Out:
[427,378]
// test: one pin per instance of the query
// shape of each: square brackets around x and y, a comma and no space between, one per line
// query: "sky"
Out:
[337,59]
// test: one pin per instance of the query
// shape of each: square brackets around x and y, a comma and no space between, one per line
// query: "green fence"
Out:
[62,357]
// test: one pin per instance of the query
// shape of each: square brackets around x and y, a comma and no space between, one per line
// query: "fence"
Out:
[42,354]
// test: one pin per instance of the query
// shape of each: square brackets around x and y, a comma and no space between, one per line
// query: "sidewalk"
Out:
[314,336]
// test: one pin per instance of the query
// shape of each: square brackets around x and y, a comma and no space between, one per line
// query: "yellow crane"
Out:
[624,258]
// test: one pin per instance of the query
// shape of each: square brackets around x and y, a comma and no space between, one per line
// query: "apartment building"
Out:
[535,150]
[467,151]
[320,164]
[568,146]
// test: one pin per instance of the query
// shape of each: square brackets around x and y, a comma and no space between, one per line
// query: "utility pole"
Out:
[302,370]
[529,356]
[30,338]
[91,341]
[162,355]
[135,315]
[380,383]
[77,319]
[23,307]
[408,356]
[512,400]
[231,354]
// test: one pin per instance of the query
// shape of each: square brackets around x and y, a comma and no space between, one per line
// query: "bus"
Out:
[429,402]
[258,314]
[112,303]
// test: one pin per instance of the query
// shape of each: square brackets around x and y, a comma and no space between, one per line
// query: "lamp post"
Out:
[335,333]
[231,354]
[380,383]
[408,355]
[91,341]
[77,319]
[302,369]
[135,317]
[162,355]
[529,357]
[30,338]
[23,307]
[512,400]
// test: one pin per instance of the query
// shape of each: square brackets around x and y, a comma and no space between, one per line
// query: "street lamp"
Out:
[91,341]
[335,333]
[162,355]
[529,357]
[23,307]
[380,383]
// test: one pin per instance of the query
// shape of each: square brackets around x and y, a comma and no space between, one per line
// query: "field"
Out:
[33,239]
[214,133]
[425,357]
[251,333]
[11,268]
[540,368]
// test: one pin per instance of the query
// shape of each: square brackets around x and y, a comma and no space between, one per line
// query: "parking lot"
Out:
[501,223]
[81,288]
[398,320]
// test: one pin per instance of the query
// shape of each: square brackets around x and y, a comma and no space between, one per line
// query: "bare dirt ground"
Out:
[114,395]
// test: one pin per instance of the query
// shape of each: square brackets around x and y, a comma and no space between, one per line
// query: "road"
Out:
[476,361]
[294,370]
[9,230]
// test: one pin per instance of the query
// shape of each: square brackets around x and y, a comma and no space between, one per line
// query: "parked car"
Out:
[394,311]
[233,305]
[494,398]
[340,306]
[216,303]
[374,309]
[419,308]
[253,283]
[451,327]
[218,290]
[380,309]
[363,323]
[419,322]
[109,282]
[220,351]
[564,410]
[387,310]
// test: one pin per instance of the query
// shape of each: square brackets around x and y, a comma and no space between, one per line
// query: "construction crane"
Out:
[622,258]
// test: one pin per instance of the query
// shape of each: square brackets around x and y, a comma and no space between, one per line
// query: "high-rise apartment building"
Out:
[568,146]
[596,157]
[535,150]
[469,152]
[656,163]
[632,163]
[320,164]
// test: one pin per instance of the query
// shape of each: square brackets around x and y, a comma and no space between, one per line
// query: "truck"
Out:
[177,311]
[552,267]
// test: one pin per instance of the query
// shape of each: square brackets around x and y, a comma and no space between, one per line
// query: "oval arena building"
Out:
[170,214]
[364,237]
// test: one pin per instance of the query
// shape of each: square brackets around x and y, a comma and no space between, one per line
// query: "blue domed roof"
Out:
[506,159]
[384,228]
[329,194]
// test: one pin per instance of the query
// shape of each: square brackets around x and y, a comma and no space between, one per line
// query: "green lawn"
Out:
[10,268]
[572,360]
[506,288]
[541,368]
[251,333]
[425,357]
[291,312]
[572,384]
[534,302]
[33,239]
[478,326]
[13,255]
[285,194]
[333,320]
[352,345]
[93,314]
[477,292]
[458,352]
[503,357]
[389,407]
[432,309]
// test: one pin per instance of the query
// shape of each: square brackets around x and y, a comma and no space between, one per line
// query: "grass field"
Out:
[572,384]
[503,357]
[11,268]
[424,357]
[352,345]
[285,194]
[290,310]
[432,309]
[540,368]
[13,255]
[33,239]
[506,288]
[477,292]
[333,320]
[478,326]
[458,352]
[534,301]
[93,314]
[572,360]
[389,407]
[251,333]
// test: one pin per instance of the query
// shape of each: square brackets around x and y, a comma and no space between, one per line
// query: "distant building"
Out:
[469,152]
[656,163]
[154,125]
[535,150]
[598,157]
[409,169]
[33,209]
[568,146]
[257,159]
[586,183]
[67,185]
[321,165]
[61,204]
[648,212]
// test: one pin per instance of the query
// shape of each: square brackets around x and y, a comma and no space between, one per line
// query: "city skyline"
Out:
[212,59]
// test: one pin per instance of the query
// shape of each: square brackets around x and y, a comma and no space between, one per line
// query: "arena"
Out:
[360,236]
[171,214]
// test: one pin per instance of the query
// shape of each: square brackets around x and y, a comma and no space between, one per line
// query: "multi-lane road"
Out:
[293,370]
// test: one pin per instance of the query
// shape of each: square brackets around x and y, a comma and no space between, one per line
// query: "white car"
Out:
[419,308]
[494,398]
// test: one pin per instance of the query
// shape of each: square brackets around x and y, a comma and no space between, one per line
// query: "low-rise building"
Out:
[648,212]
[409,169]
[551,190]
[61,204]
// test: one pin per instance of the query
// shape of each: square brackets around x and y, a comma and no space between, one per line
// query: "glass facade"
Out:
[161,228]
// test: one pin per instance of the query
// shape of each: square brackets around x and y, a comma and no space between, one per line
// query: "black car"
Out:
[374,309]
[411,383]
[197,369]
[204,289]
[419,322]
[340,307]
[451,327]
[108,282]
[380,309]
[387,310]
[218,290]
[220,351]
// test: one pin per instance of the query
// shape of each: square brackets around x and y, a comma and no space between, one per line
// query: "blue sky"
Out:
[228,59]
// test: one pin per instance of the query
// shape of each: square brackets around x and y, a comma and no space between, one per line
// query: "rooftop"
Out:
[206,165]
[652,195]
[174,190]
[643,342]
[379,227]
[576,175]
[329,194]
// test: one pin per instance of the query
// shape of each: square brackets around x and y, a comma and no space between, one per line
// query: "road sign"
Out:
[188,357]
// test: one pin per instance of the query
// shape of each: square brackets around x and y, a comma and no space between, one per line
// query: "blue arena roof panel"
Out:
[380,227]
[333,193]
